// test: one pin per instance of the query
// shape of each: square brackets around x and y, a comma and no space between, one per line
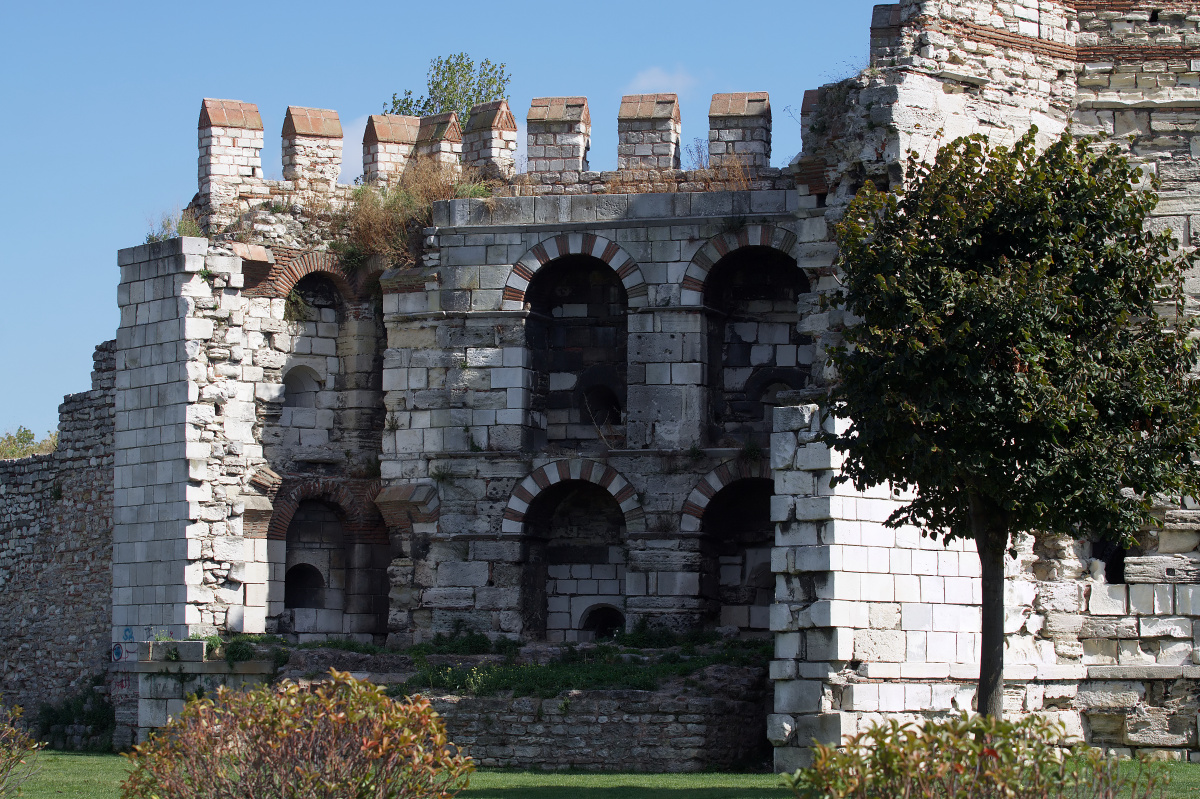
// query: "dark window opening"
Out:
[739,535]
[318,294]
[1113,557]
[601,406]
[577,338]
[755,348]
[574,554]
[303,587]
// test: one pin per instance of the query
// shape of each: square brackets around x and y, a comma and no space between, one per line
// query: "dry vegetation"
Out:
[387,221]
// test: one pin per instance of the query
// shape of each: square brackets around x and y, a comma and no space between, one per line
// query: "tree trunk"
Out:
[989,528]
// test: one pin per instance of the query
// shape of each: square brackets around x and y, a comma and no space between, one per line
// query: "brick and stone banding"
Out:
[595,246]
[716,248]
[525,492]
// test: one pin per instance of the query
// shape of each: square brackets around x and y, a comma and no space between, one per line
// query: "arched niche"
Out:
[738,535]
[755,349]
[575,539]
[577,338]
[316,551]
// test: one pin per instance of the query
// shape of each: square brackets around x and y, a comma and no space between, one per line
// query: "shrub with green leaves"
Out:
[976,756]
[17,752]
[339,739]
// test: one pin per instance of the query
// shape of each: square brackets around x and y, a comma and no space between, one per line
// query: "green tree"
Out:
[23,443]
[455,84]
[1018,354]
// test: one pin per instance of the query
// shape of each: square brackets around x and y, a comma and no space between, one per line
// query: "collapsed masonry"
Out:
[588,405]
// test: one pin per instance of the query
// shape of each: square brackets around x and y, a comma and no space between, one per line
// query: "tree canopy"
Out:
[1018,352]
[23,443]
[455,83]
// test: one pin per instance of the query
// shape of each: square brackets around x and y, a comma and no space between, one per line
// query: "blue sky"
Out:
[99,101]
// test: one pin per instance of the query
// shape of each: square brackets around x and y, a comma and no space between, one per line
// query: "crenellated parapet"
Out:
[388,144]
[648,132]
[489,140]
[439,138]
[312,145]
[560,136]
[739,130]
[230,136]
[231,180]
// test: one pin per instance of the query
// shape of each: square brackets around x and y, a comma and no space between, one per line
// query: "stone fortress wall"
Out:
[589,404]
[56,553]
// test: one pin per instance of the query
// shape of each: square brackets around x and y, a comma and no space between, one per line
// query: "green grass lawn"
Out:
[99,777]
[66,774]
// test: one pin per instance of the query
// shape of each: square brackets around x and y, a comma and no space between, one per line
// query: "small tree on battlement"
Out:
[455,84]
[1019,354]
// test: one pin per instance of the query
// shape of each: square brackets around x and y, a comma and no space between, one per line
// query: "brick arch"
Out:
[725,474]
[363,524]
[560,471]
[284,276]
[716,248]
[611,253]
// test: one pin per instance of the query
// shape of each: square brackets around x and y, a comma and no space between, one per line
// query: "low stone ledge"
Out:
[1135,672]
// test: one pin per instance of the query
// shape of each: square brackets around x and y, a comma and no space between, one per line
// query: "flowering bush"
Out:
[978,756]
[340,739]
[16,752]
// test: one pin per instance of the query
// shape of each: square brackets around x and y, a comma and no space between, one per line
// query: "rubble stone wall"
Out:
[56,553]
[653,731]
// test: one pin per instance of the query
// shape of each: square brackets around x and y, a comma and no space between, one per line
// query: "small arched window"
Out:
[303,587]
[300,387]
[604,622]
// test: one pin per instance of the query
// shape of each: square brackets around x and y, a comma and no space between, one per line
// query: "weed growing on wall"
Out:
[339,738]
[604,667]
[88,709]
[387,221]
[171,226]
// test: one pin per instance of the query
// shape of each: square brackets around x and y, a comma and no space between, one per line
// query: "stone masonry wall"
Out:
[208,446]
[654,731]
[419,419]
[55,553]
[715,719]
[873,622]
